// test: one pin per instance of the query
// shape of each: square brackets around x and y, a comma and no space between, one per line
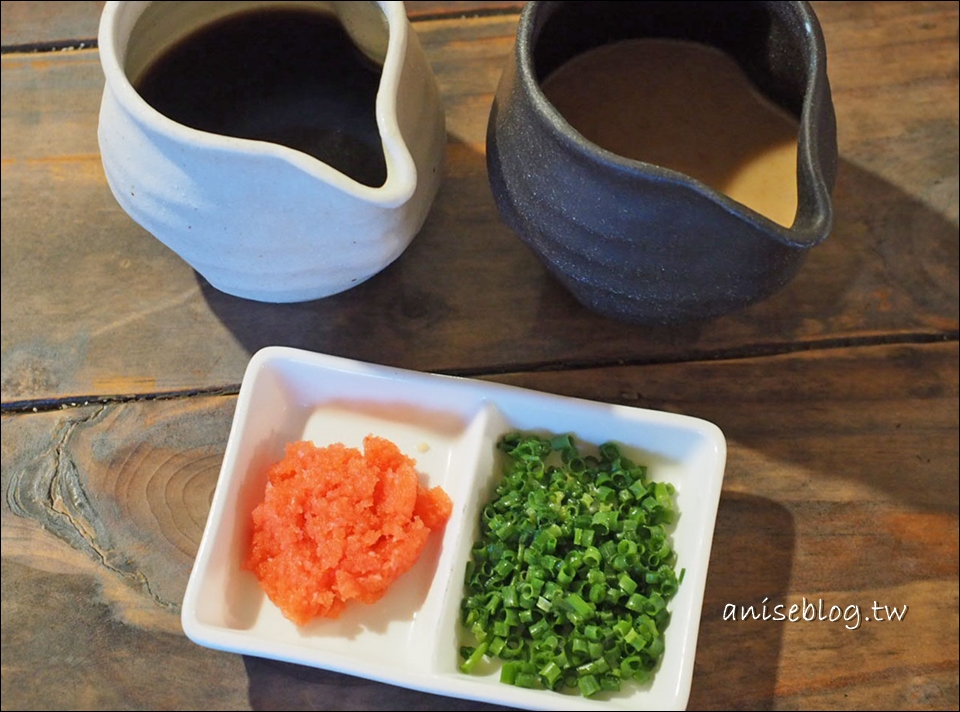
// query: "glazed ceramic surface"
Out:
[450,426]
[637,241]
[261,220]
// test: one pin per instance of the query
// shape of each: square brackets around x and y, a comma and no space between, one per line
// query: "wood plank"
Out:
[841,487]
[120,314]
[433,9]
[27,23]
[898,117]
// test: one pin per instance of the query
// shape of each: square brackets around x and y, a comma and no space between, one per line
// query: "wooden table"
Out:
[838,396]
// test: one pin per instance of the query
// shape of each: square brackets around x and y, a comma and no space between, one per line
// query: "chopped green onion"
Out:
[475,657]
[588,685]
[569,579]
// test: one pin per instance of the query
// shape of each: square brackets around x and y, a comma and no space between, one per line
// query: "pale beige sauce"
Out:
[687,107]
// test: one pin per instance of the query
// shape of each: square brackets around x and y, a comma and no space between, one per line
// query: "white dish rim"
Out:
[480,393]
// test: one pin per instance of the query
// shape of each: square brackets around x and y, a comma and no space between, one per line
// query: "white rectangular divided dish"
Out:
[450,426]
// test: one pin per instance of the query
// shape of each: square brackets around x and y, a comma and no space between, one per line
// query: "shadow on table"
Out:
[751,560]
[468,295]
[285,686]
[737,659]
[444,297]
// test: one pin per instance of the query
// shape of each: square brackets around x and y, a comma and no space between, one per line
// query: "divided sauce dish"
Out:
[450,426]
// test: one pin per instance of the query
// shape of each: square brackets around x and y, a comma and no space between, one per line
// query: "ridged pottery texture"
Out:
[636,241]
[257,219]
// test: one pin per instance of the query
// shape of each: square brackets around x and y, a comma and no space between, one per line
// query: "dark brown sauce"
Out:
[284,75]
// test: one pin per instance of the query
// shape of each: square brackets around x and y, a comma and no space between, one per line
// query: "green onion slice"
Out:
[571,573]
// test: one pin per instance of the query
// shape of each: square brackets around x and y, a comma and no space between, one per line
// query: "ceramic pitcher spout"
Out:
[634,239]
[258,218]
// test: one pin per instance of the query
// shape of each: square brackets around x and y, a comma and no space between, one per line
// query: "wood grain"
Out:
[35,25]
[838,397]
[57,23]
[840,487]
[120,314]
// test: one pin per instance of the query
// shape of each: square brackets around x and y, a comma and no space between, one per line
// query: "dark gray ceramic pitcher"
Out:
[636,241]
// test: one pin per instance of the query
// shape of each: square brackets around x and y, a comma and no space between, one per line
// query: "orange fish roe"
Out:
[337,524]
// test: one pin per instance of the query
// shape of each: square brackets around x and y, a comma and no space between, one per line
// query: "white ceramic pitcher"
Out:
[256,219]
